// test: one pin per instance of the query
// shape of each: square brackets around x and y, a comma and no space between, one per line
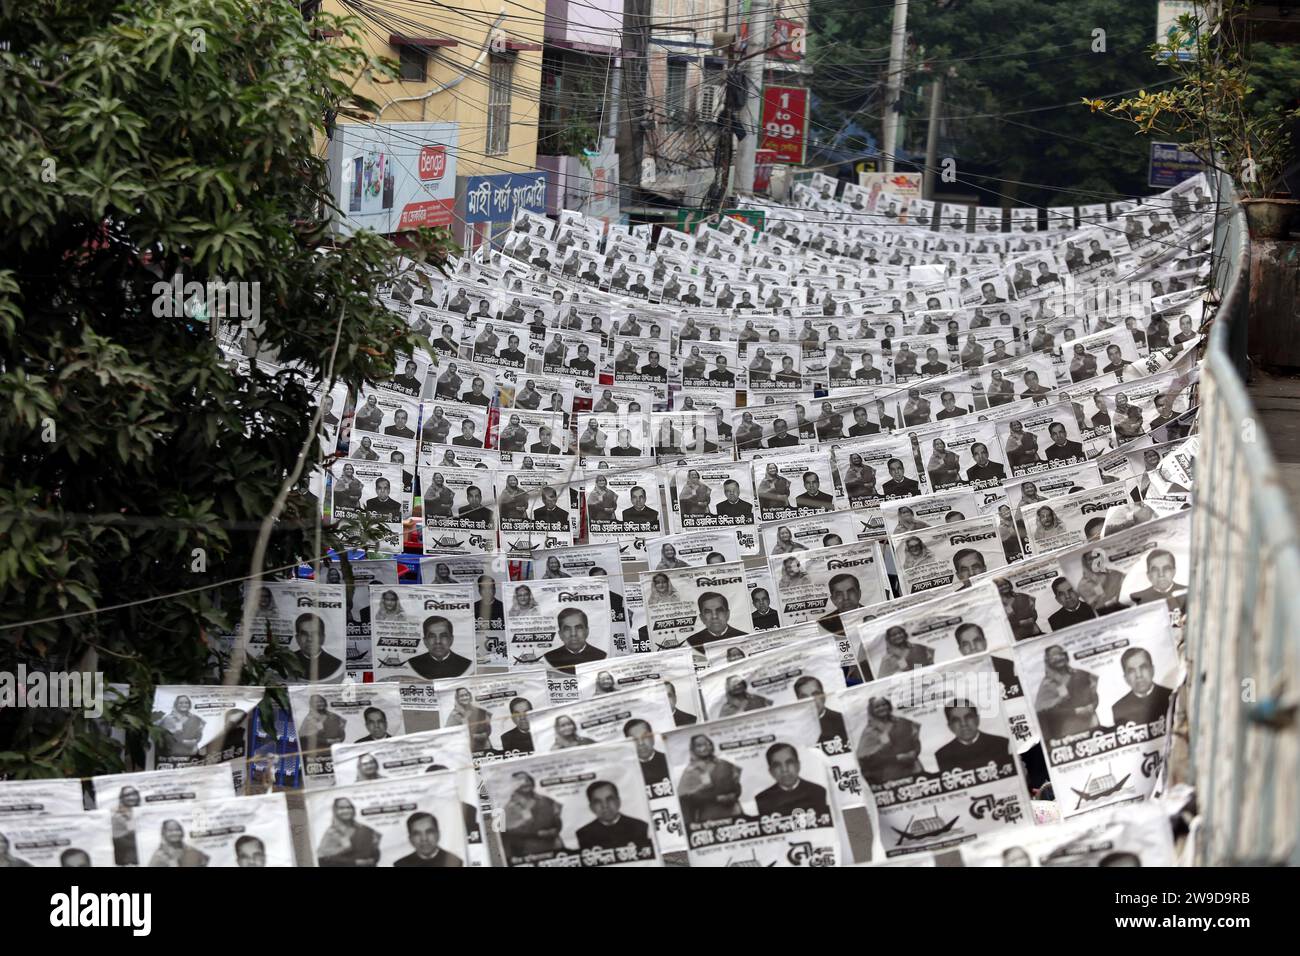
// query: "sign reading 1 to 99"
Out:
[785,122]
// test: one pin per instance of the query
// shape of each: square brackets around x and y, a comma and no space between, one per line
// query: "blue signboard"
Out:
[500,198]
[1170,165]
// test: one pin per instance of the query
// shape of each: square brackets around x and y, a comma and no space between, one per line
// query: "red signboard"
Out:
[788,41]
[433,162]
[436,212]
[785,123]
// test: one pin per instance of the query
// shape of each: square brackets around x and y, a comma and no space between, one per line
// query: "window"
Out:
[414,63]
[675,94]
[500,93]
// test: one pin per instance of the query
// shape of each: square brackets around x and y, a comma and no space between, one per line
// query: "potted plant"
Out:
[1207,108]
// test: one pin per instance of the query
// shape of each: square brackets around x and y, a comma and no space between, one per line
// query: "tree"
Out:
[144,139]
[1020,67]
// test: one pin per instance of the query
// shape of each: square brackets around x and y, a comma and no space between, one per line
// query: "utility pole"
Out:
[760,35]
[894,84]
[631,148]
[932,135]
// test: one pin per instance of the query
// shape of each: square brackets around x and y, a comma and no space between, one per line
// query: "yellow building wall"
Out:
[456,85]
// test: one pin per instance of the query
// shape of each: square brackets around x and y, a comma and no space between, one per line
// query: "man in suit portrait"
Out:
[971,640]
[790,793]
[1146,700]
[715,614]
[573,629]
[422,831]
[309,633]
[1074,610]
[639,511]
[1161,570]
[831,722]
[439,660]
[969,749]
[612,829]
[1061,448]
[519,738]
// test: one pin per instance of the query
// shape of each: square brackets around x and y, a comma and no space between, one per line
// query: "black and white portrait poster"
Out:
[622,434]
[372,491]
[967,624]
[597,561]
[695,606]
[457,381]
[448,424]
[695,549]
[413,821]
[774,368]
[1029,376]
[679,433]
[792,486]
[442,328]
[422,632]
[781,675]
[381,412]
[80,838]
[723,653]
[1137,834]
[350,713]
[674,669]
[34,798]
[718,497]
[822,530]
[459,511]
[535,511]
[640,714]
[199,723]
[534,393]
[623,507]
[642,362]
[903,516]
[538,433]
[1072,519]
[488,574]
[949,555]
[823,583]
[935,750]
[495,709]
[237,831]
[1041,440]
[962,453]
[879,469]
[1037,489]
[125,794]
[558,623]
[334,404]
[574,355]
[754,790]
[619,399]
[378,572]
[448,456]
[409,374]
[585,806]
[1101,696]
[413,755]
[709,365]
[1147,564]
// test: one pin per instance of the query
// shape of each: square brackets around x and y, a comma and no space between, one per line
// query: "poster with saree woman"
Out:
[935,750]
[754,790]
[416,821]
[581,806]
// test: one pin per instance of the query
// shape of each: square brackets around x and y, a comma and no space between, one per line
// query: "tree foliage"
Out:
[1020,68]
[143,139]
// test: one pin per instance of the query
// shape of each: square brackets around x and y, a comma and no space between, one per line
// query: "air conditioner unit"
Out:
[709,101]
